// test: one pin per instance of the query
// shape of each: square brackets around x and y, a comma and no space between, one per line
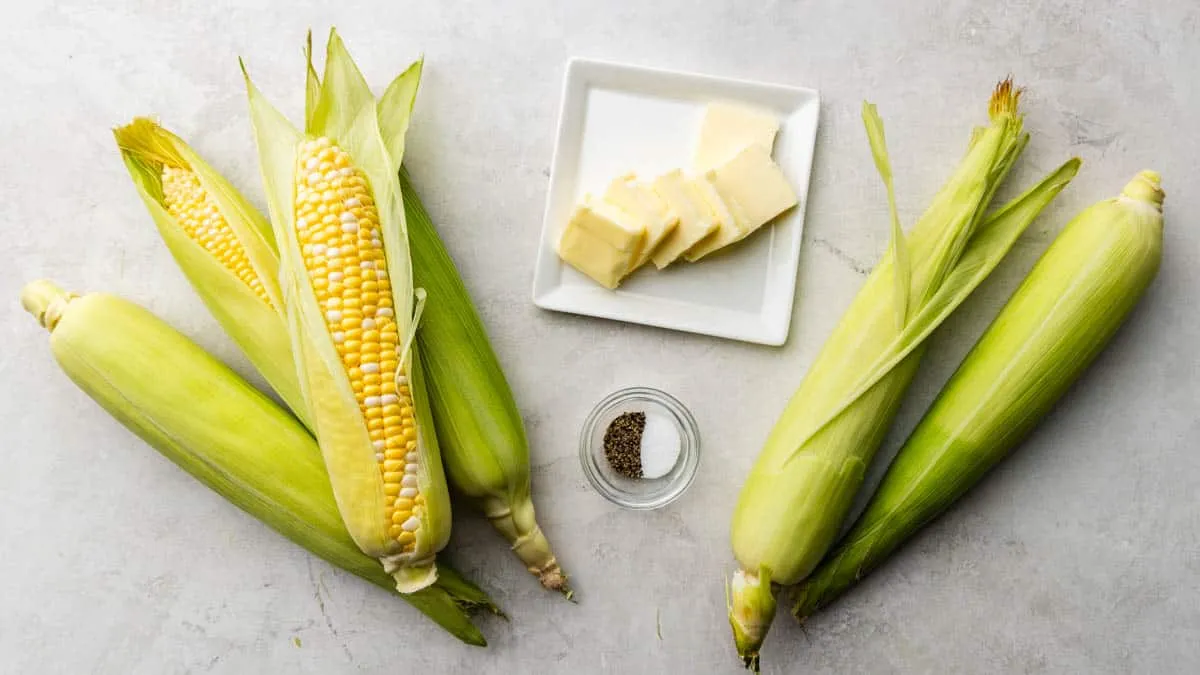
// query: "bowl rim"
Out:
[689,449]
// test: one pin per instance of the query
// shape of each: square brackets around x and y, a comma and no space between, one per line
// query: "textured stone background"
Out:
[1080,555]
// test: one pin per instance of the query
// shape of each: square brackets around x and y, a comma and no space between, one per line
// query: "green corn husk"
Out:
[222,431]
[346,116]
[479,427]
[1052,328]
[256,321]
[813,463]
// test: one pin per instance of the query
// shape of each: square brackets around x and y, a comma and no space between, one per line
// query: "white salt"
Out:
[660,446]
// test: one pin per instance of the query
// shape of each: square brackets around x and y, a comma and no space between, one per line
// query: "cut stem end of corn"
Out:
[45,301]
[412,578]
[1146,187]
[534,550]
[751,604]
[514,518]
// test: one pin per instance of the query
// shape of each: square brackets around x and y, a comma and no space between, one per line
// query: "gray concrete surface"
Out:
[1080,555]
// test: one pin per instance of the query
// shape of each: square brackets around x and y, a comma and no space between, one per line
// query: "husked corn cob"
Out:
[1052,328]
[806,476]
[339,224]
[338,230]
[221,242]
[480,433]
[221,430]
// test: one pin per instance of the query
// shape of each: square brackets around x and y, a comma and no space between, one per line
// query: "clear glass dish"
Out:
[639,493]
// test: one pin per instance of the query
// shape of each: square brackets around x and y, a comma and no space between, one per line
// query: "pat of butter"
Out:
[728,128]
[727,228]
[696,218]
[612,225]
[602,242]
[753,187]
[644,206]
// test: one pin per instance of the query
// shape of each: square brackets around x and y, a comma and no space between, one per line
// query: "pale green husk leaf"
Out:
[901,268]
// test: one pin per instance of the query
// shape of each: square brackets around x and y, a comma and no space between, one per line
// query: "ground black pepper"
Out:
[623,444]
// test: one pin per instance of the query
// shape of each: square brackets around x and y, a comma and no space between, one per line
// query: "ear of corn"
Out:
[480,432]
[1052,328]
[346,274]
[483,446]
[221,430]
[806,476]
[221,242]
[751,596]
[479,426]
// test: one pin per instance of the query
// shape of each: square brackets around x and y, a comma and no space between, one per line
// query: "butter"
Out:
[594,257]
[727,129]
[612,225]
[696,218]
[738,189]
[727,227]
[645,207]
[748,192]
[602,242]
[753,187]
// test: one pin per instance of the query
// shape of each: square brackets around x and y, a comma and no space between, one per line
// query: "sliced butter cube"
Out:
[728,128]
[611,224]
[696,218]
[602,242]
[753,187]
[753,191]
[594,257]
[645,207]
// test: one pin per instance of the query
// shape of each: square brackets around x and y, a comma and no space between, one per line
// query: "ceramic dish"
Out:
[620,118]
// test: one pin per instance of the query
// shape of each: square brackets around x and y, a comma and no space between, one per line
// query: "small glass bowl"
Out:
[639,493]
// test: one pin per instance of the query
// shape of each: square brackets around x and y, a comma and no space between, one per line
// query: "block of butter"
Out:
[644,206]
[602,241]
[696,218]
[728,128]
[753,191]
[753,187]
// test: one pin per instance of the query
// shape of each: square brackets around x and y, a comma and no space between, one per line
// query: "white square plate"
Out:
[618,118]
